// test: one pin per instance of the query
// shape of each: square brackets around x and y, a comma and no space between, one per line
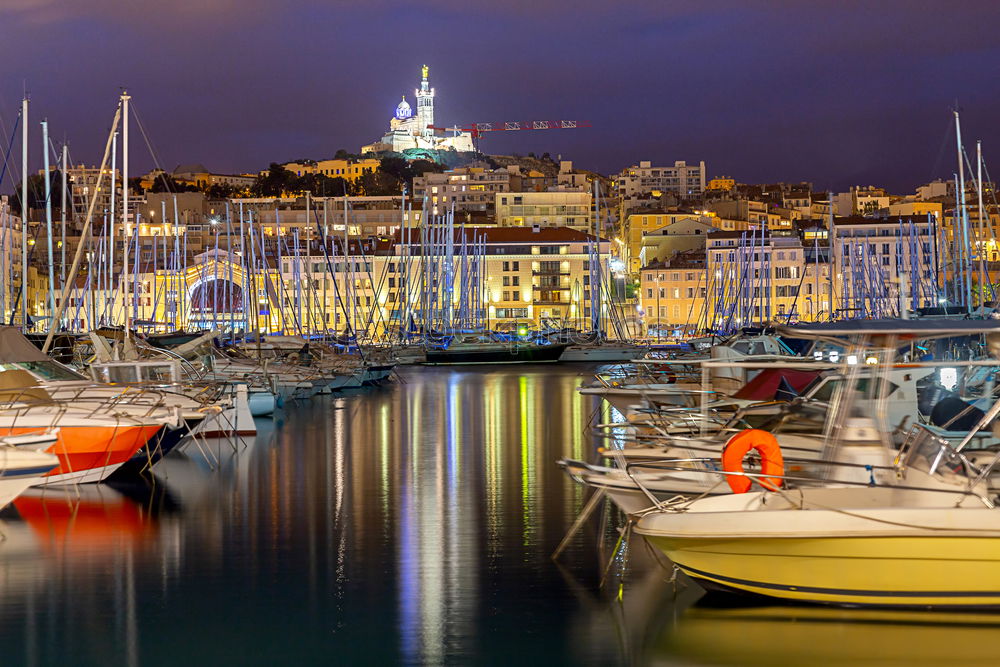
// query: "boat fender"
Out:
[771,461]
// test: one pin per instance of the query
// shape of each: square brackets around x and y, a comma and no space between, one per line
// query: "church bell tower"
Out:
[425,104]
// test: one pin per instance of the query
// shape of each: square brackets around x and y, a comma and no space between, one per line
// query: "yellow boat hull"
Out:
[896,571]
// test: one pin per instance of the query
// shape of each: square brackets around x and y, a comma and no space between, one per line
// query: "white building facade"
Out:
[683,180]
[409,130]
[881,262]
[544,209]
[465,189]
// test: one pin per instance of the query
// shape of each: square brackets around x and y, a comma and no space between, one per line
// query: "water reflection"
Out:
[49,559]
[411,524]
[764,635]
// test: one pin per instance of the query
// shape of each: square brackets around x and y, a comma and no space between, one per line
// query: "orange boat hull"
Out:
[86,447]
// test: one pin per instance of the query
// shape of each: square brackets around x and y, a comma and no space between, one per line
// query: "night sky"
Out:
[839,93]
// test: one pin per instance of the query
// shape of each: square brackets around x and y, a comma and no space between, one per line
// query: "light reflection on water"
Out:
[800,635]
[411,524]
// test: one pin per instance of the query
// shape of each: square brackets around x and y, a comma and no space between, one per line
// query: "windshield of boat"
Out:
[865,387]
[46,370]
[160,373]
[761,346]
[923,450]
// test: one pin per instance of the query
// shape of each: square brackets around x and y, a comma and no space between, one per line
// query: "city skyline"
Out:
[762,92]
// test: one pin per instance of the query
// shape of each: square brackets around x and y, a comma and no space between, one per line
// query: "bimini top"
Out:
[15,348]
[918,328]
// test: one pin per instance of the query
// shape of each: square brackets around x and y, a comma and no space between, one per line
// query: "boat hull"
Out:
[628,400]
[262,403]
[898,571]
[497,355]
[601,353]
[91,453]
[20,470]
[153,451]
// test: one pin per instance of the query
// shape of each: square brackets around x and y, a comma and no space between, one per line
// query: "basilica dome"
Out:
[403,111]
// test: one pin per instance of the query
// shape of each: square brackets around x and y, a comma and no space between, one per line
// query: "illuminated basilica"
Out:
[409,130]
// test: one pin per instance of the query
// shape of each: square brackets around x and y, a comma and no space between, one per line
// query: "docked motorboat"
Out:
[484,348]
[869,525]
[90,444]
[25,466]
[680,382]
[607,352]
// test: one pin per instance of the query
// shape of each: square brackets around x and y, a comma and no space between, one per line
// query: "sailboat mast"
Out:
[62,213]
[964,219]
[593,271]
[24,213]
[112,215]
[981,232]
[48,216]
[244,274]
[84,237]
[125,100]
[326,296]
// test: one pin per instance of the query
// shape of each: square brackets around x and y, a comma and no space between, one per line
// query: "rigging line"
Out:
[149,144]
[6,157]
[993,192]
[14,167]
[945,140]
[15,305]
[55,154]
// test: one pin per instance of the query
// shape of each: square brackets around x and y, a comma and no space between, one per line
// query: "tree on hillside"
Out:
[36,192]
[166,183]
[321,185]
[403,171]
[421,167]
[221,191]
[274,182]
[396,167]
[378,184]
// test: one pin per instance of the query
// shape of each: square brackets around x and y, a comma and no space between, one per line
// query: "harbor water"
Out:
[408,524]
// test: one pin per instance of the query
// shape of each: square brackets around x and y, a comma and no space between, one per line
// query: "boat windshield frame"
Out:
[928,452]
[49,371]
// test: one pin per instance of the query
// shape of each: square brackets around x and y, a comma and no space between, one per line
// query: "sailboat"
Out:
[488,348]
[594,346]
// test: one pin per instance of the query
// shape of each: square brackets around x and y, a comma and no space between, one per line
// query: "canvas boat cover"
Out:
[918,328]
[775,383]
[15,348]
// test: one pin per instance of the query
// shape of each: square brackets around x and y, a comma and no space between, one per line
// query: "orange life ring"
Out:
[770,453]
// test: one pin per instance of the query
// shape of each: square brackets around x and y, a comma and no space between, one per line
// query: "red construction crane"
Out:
[478,129]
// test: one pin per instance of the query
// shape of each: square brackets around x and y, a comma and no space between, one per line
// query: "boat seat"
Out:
[20,386]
